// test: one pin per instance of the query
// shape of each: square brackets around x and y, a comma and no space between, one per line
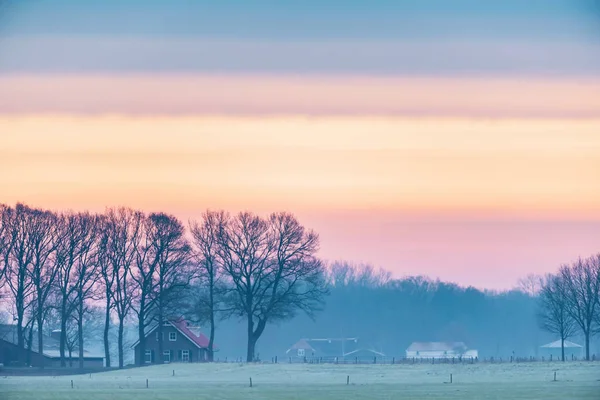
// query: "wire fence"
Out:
[411,360]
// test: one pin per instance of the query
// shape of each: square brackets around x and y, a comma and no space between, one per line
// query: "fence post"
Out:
[173,372]
[146,383]
[275,359]
[393,360]
[250,381]
[71,383]
[348,380]
[355,360]
[450,378]
[375,360]
[554,376]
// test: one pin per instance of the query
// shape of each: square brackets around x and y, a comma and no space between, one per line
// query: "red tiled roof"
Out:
[199,340]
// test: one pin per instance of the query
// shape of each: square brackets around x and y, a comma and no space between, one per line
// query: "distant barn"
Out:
[554,350]
[10,354]
[440,350]
[331,349]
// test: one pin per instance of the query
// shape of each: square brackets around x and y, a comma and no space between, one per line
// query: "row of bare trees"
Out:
[570,301]
[149,268]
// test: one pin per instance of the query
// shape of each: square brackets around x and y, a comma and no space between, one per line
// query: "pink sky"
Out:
[485,188]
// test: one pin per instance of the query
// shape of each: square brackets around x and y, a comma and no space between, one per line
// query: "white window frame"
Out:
[148,357]
[167,356]
[185,355]
[301,353]
[172,335]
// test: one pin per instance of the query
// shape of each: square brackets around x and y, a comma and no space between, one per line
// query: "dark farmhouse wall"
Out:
[174,347]
[9,355]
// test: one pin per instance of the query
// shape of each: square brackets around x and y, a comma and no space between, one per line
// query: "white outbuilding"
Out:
[440,350]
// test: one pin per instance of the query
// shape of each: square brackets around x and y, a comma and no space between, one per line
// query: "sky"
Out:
[452,138]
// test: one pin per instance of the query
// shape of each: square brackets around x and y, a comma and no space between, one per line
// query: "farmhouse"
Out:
[333,348]
[10,354]
[180,343]
[440,350]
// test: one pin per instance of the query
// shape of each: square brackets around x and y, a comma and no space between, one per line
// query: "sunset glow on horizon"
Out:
[447,149]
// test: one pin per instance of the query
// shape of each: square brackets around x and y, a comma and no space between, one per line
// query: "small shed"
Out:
[553,350]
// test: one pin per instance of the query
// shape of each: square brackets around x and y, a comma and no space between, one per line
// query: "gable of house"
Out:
[180,342]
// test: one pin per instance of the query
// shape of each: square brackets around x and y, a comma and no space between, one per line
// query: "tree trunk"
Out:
[142,337]
[251,349]
[587,345]
[80,333]
[20,338]
[211,341]
[160,338]
[63,331]
[253,336]
[30,345]
[121,362]
[40,340]
[106,331]
[562,349]
[251,341]
[70,358]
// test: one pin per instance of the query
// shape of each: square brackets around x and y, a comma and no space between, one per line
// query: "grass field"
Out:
[305,381]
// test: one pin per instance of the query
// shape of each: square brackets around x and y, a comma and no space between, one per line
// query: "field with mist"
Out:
[305,381]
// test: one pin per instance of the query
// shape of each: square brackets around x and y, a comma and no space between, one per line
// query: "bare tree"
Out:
[18,274]
[554,314]
[342,273]
[582,282]
[106,279]
[143,274]
[44,270]
[531,284]
[173,274]
[208,294]
[273,268]
[124,228]
[71,338]
[70,236]
[85,275]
